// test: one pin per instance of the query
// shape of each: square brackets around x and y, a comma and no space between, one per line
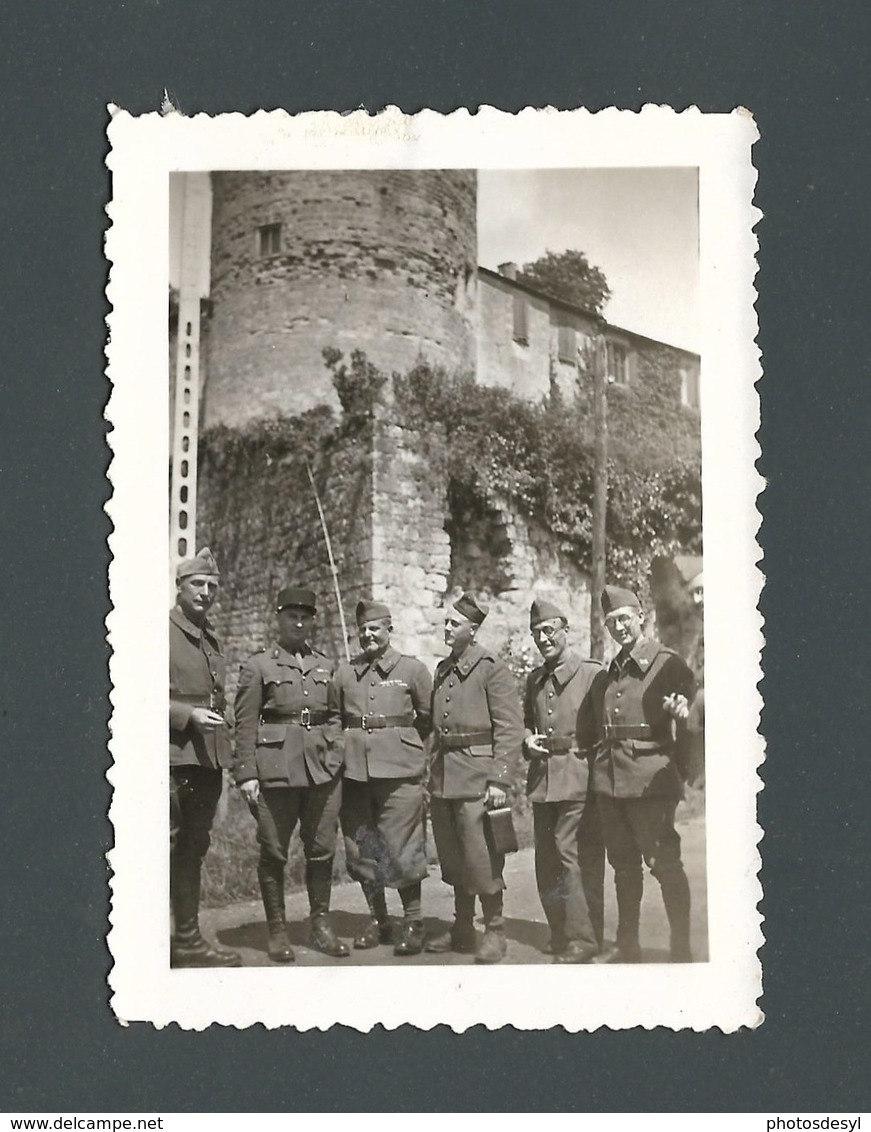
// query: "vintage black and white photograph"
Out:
[450,427]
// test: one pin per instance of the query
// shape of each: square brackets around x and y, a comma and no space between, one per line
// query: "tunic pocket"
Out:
[271,734]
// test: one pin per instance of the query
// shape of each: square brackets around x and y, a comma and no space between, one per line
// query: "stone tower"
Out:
[378,261]
[383,261]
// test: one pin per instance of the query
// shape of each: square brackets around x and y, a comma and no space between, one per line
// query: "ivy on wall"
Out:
[488,442]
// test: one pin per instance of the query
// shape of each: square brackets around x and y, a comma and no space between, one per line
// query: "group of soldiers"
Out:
[371,744]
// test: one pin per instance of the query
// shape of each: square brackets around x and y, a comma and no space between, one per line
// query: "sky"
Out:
[638,226]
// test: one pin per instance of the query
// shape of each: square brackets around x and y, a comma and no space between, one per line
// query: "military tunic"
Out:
[385,706]
[569,850]
[196,679]
[288,736]
[476,739]
[637,780]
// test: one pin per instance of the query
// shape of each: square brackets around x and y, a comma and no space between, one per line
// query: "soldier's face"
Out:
[624,625]
[196,595]
[294,625]
[374,636]
[697,594]
[459,631]
[550,638]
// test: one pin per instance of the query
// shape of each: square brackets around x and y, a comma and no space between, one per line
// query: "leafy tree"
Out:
[568,276]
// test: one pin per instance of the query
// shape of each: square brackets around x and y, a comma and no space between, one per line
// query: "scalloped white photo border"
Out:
[723,992]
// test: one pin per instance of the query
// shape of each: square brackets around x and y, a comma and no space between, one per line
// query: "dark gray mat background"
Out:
[802,68]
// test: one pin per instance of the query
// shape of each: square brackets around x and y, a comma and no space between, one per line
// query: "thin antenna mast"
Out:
[333,568]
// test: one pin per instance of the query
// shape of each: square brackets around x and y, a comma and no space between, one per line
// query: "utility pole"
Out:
[599,360]
[185,432]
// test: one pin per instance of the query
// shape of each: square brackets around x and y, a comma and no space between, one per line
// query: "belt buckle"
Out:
[213,700]
[305,718]
[367,727]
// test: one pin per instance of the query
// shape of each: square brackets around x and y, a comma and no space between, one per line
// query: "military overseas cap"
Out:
[472,609]
[615,597]
[372,611]
[297,595]
[203,563]
[544,611]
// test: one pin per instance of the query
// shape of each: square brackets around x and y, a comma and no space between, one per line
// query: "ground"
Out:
[241,925]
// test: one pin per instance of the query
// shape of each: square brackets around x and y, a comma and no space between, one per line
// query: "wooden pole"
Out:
[600,494]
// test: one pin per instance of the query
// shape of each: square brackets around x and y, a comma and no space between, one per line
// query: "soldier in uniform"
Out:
[569,851]
[696,715]
[199,746]
[476,738]
[288,766]
[385,701]
[638,773]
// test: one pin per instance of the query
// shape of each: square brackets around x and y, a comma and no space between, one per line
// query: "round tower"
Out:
[378,260]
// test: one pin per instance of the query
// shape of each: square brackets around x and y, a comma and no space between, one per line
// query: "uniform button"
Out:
[371,695]
[305,693]
[451,684]
[550,711]
[616,711]
[447,699]
[447,713]
[619,694]
[550,694]
[550,731]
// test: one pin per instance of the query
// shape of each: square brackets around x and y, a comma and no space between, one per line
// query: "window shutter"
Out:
[521,319]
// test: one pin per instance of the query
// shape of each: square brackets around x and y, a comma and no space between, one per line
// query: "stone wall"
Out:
[510,560]
[381,261]
[261,522]
[411,552]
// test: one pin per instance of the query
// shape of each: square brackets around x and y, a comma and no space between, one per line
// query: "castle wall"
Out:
[261,521]
[510,559]
[381,261]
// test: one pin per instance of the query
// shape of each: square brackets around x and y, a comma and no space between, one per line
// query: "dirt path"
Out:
[241,925]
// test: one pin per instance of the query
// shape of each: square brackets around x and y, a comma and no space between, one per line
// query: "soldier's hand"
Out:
[496,797]
[676,705]
[251,793]
[534,745]
[204,719]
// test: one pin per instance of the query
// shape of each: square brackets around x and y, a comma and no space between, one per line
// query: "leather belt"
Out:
[628,731]
[305,718]
[455,740]
[371,722]
[213,701]
[558,744]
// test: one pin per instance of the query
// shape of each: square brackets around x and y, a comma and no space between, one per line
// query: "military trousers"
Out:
[193,799]
[466,855]
[315,808]
[642,829]
[382,822]
[570,869]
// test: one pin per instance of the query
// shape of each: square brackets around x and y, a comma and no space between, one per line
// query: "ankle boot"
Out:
[319,881]
[461,936]
[271,879]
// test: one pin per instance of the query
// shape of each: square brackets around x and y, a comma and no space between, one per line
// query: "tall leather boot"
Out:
[629,884]
[461,936]
[319,882]
[676,897]
[492,946]
[187,947]
[271,877]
